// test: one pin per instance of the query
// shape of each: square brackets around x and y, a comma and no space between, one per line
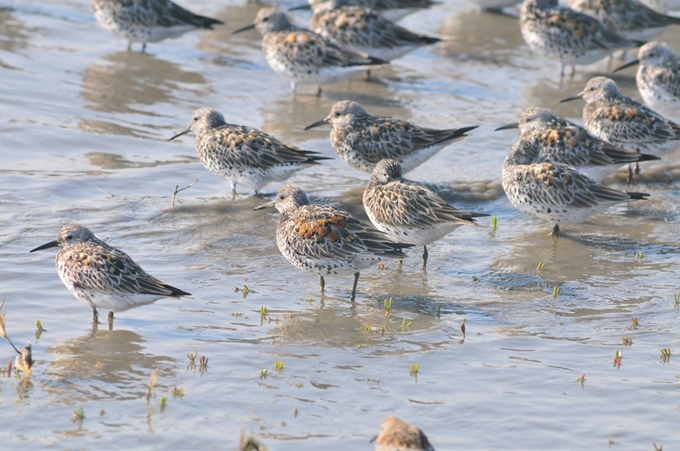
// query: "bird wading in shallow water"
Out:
[624,122]
[142,21]
[555,192]
[364,30]
[559,141]
[326,240]
[363,140]
[408,212]
[397,435]
[566,35]
[102,276]
[658,78]
[243,155]
[302,56]
[629,18]
[390,9]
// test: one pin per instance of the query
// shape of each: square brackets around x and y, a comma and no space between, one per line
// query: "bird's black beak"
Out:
[569,99]
[302,7]
[183,132]
[508,126]
[267,205]
[246,28]
[46,246]
[629,64]
[318,123]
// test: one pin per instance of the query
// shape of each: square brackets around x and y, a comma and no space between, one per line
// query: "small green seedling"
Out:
[388,306]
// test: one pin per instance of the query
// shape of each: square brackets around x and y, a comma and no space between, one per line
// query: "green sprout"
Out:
[192,357]
[494,225]
[388,307]
[177,392]
[78,415]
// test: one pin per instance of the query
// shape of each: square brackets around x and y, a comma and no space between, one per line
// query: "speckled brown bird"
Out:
[390,9]
[363,140]
[397,435]
[555,192]
[629,18]
[102,276]
[569,36]
[554,139]
[302,56]
[658,78]
[327,240]
[408,212]
[148,20]
[243,155]
[366,31]
[624,122]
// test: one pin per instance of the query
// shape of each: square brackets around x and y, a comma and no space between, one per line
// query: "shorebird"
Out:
[148,20]
[555,192]
[624,122]
[363,140]
[658,78]
[629,18]
[390,9]
[303,56]
[243,155]
[551,138]
[408,212]
[569,36]
[102,276]
[397,435]
[325,240]
[365,31]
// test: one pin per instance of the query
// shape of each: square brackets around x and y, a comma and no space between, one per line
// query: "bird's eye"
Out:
[69,237]
[282,197]
[265,19]
[337,114]
[195,118]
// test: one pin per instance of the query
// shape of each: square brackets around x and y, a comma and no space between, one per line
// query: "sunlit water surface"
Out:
[84,126]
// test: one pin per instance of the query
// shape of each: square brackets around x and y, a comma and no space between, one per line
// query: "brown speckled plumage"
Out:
[324,239]
[363,140]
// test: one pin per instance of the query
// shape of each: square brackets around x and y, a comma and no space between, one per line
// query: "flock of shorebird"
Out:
[553,172]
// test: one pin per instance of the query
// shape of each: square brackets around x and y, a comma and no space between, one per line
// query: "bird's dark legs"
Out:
[322,283]
[354,288]
[425,255]
[555,230]
[95,315]
[110,317]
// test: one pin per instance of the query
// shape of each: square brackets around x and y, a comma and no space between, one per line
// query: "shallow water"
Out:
[84,127]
